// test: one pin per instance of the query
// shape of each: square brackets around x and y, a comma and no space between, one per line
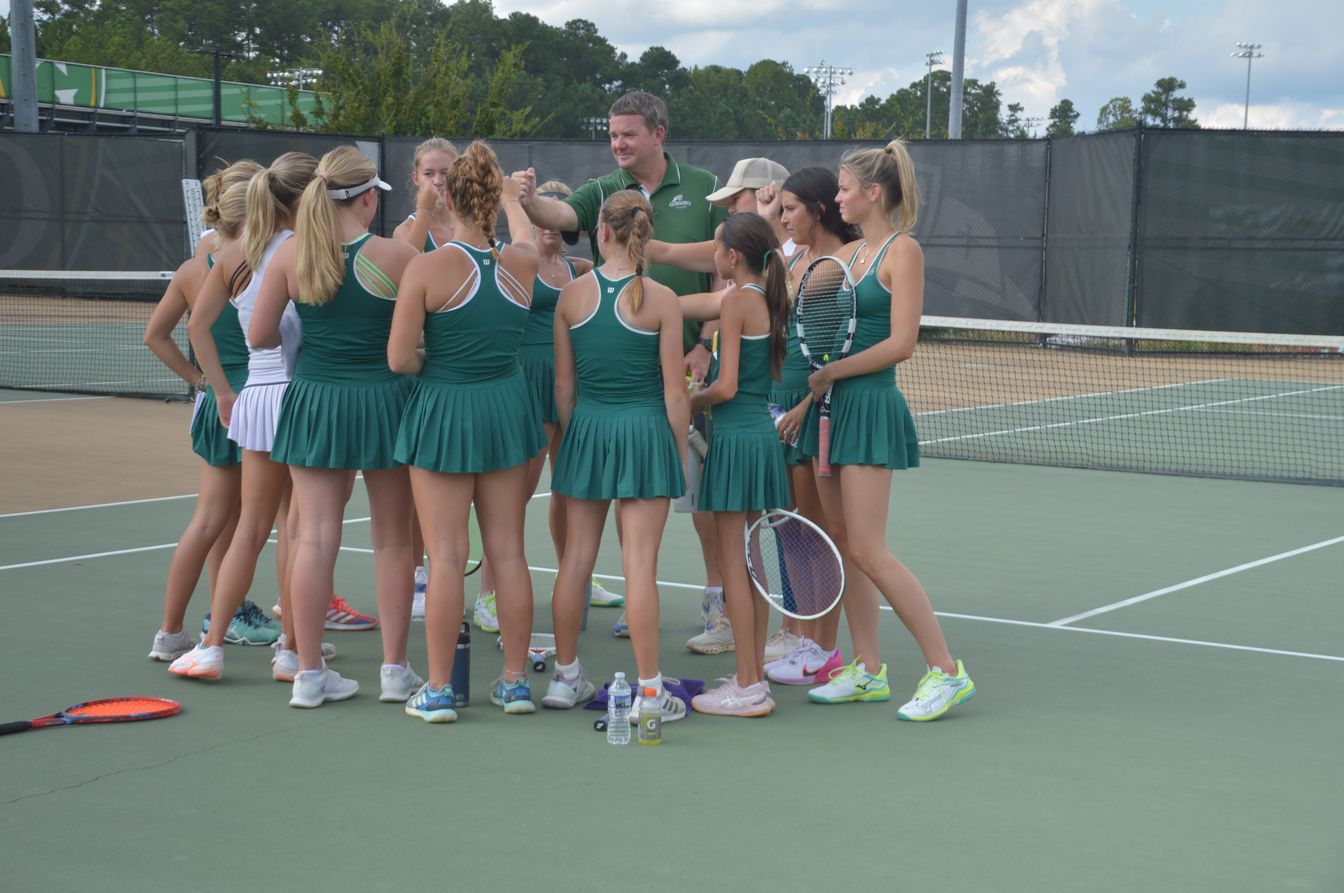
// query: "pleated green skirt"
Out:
[618,454]
[744,471]
[210,439]
[539,371]
[870,425]
[470,428]
[339,425]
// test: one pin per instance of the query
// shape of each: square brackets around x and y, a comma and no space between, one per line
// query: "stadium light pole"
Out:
[219,57]
[958,74]
[1248,51]
[22,38]
[828,79]
[294,77]
[594,124]
[935,58]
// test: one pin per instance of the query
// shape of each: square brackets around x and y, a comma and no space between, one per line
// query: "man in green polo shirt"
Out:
[677,192]
[681,213]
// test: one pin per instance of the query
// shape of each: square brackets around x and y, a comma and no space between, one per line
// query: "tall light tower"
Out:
[828,79]
[1248,51]
[295,77]
[935,58]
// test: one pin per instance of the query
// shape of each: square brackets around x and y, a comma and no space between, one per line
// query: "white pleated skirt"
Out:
[255,413]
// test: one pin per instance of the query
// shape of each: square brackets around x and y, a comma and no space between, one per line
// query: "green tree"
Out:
[902,113]
[788,104]
[1013,127]
[1062,118]
[499,114]
[1117,114]
[4,34]
[1161,106]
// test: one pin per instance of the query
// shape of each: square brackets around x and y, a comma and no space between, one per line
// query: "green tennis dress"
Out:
[744,468]
[536,352]
[791,389]
[471,411]
[210,439]
[343,406]
[618,443]
[870,421]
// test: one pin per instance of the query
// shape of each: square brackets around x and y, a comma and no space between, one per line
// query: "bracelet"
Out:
[705,343]
[202,384]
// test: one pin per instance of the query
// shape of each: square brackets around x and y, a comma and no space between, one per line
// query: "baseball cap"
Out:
[749,173]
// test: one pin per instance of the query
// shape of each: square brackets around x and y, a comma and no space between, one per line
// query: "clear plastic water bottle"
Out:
[618,711]
[650,718]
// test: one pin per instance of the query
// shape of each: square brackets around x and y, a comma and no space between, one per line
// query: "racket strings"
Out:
[825,302]
[122,708]
[795,566]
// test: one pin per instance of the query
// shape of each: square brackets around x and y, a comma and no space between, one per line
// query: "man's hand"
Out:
[527,185]
[697,362]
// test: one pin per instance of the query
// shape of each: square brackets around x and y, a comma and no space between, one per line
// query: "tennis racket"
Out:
[475,551]
[826,319]
[102,710]
[794,565]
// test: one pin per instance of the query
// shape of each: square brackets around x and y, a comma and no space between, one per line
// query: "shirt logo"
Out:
[679,201]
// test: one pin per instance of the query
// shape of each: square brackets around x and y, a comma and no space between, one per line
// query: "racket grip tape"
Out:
[9,728]
[824,446]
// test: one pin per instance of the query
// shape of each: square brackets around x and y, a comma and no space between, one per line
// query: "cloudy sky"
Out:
[1038,51]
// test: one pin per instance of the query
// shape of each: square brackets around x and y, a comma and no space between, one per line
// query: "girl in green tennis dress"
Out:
[872,433]
[471,426]
[341,411]
[745,472]
[621,396]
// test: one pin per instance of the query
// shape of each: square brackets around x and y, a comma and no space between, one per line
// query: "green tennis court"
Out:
[1158,662]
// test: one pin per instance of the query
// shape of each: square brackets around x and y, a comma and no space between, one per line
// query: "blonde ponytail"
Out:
[271,195]
[631,220]
[320,265]
[892,168]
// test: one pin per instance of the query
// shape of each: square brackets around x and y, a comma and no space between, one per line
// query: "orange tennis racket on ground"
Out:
[102,710]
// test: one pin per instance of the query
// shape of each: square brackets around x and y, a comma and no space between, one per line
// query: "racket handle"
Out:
[824,447]
[9,728]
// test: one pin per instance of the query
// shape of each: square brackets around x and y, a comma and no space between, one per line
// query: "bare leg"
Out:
[320,496]
[706,531]
[823,630]
[642,523]
[443,504]
[586,519]
[860,598]
[864,493]
[748,623]
[500,505]
[206,538]
[264,485]
[393,557]
[288,524]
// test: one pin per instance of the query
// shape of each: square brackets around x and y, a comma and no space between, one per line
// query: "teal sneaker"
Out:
[599,597]
[514,697]
[432,704]
[249,626]
[484,615]
[853,684]
[938,693]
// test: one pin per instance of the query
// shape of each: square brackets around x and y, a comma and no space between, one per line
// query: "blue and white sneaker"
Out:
[621,629]
[514,697]
[432,704]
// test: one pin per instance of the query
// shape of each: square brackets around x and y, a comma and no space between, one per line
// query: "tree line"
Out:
[410,67]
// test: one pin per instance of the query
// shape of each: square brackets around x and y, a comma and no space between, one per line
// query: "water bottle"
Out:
[650,718]
[461,680]
[618,711]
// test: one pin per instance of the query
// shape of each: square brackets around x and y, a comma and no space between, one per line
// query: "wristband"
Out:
[706,344]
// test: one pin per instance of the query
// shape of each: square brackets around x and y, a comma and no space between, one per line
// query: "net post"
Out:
[1132,263]
[1045,231]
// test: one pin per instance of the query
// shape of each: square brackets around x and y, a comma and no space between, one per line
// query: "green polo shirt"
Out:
[680,214]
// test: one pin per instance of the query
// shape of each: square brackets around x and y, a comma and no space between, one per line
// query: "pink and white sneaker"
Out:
[732,699]
[809,664]
[201,662]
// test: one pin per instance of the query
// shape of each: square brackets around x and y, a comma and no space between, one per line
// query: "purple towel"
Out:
[681,688]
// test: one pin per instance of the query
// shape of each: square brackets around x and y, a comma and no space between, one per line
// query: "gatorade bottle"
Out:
[650,718]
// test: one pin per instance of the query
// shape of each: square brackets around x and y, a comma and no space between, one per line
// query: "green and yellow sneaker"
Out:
[938,693]
[484,614]
[853,683]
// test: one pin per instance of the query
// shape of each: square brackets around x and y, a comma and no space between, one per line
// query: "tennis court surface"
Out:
[1159,662]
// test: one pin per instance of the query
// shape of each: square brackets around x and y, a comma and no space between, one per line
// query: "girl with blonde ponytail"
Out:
[621,398]
[745,472]
[340,414]
[213,188]
[207,535]
[250,413]
[873,432]
[471,424]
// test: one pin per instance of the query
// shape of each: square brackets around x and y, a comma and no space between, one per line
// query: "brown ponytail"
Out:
[752,237]
[475,184]
[631,220]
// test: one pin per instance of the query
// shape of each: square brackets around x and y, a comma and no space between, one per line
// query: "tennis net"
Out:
[81,332]
[1219,404]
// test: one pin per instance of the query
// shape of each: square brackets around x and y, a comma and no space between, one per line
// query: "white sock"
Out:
[656,683]
[568,671]
[714,590]
[405,666]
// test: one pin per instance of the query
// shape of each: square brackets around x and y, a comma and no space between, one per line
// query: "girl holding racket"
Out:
[812,219]
[250,414]
[207,535]
[621,397]
[340,413]
[472,424]
[744,468]
[431,224]
[872,432]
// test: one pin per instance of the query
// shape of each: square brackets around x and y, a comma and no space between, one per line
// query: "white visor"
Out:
[352,191]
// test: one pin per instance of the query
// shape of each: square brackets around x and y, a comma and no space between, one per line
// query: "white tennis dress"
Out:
[257,409]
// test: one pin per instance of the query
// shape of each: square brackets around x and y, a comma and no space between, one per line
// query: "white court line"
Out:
[1025,429]
[48,400]
[1115,606]
[1094,395]
[99,505]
